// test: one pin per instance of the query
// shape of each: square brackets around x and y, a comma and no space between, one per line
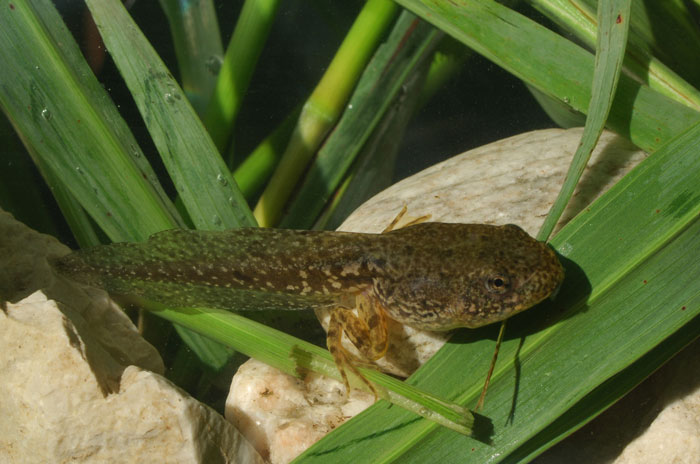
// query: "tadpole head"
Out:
[509,282]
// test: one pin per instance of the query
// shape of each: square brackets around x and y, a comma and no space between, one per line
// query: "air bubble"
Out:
[172,97]
[213,64]
[46,114]
[566,249]
[135,151]
[221,179]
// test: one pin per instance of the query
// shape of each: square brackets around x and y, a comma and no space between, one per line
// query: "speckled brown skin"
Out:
[432,276]
[441,276]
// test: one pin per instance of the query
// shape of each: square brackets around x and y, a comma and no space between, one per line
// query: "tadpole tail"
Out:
[74,267]
[183,268]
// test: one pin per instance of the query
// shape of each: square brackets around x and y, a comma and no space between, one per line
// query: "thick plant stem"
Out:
[252,174]
[324,106]
[242,54]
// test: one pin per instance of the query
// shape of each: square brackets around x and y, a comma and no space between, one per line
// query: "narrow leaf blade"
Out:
[201,177]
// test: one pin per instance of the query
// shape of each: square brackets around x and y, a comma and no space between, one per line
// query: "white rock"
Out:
[673,436]
[657,422]
[74,384]
[510,181]
[282,415]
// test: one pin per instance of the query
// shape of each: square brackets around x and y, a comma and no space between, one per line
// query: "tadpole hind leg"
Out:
[343,359]
[367,331]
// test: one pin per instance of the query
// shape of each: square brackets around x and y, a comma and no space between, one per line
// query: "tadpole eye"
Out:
[498,284]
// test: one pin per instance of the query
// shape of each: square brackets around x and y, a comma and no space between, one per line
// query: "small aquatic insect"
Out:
[433,276]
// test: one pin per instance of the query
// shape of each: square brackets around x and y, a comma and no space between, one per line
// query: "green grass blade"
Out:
[295,356]
[213,354]
[558,111]
[448,59]
[66,118]
[578,18]
[83,229]
[202,179]
[613,20]
[632,267]
[556,66]
[410,42]
[373,170]
[324,106]
[242,54]
[257,168]
[197,41]
[78,220]
[667,30]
